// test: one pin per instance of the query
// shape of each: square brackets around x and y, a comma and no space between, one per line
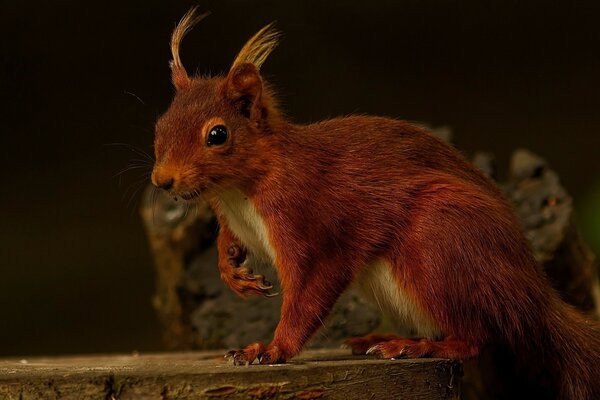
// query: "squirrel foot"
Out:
[400,348]
[409,348]
[256,351]
[360,344]
[242,279]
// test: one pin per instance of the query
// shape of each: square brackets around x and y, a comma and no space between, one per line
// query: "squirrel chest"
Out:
[247,224]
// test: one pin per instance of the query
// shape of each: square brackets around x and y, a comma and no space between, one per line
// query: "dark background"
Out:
[77,76]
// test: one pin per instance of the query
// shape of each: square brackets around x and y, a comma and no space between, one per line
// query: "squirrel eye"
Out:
[216,136]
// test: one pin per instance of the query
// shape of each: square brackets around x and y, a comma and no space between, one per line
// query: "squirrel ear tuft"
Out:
[179,76]
[258,47]
[243,83]
[243,86]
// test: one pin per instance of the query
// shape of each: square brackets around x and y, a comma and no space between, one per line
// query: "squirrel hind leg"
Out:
[360,344]
[450,347]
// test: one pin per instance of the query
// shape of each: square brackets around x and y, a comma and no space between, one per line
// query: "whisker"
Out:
[140,180]
[153,203]
[140,185]
[187,208]
[131,168]
[136,186]
[144,129]
[133,148]
[135,96]
[142,161]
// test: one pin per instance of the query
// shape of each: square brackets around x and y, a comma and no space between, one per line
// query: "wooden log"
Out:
[313,375]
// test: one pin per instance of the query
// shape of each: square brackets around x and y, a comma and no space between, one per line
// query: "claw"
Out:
[232,251]
[244,362]
[242,278]
[373,350]
[246,272]
[264,287]
[237,357]
[236,255]
[265,359]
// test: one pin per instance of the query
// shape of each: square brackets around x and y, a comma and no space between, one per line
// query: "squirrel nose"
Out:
[163,180]
[165,184]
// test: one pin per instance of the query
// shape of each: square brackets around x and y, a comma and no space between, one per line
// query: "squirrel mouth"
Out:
[189,195]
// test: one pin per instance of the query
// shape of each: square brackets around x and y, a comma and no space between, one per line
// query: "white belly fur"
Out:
[381,287]
[246,223]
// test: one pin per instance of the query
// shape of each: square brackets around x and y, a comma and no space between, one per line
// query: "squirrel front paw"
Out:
[256,352]
[242,279]
[236,255]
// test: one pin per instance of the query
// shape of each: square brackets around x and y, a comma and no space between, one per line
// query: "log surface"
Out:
[323,374]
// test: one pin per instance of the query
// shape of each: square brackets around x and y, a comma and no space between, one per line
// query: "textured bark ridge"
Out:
[198,312]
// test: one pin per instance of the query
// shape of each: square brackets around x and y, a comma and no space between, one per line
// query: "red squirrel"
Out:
[364,199]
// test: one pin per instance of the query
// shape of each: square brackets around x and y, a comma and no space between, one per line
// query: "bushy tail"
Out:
[572,353]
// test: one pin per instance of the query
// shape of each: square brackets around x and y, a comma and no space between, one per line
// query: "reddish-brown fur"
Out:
[339,194]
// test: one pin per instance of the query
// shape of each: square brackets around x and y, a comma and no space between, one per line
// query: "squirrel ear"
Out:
[243,86]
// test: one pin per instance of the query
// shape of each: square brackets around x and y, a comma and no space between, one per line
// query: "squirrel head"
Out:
[209,137]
